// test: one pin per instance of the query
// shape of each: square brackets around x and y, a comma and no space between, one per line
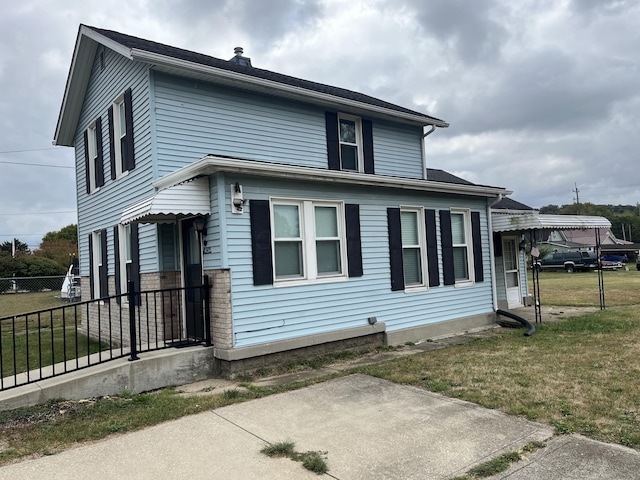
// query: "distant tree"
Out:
[20,246]
[28,266]
[60,246]
[550,209]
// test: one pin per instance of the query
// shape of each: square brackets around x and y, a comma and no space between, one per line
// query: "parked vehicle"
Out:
[568,261]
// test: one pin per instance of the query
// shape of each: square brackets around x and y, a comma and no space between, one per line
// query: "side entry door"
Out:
[192,275]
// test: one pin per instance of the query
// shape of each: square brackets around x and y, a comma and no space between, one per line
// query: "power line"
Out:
[37,165]
[30,150]
[39,213]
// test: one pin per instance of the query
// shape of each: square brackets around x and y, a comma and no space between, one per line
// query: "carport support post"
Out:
[536,281]
[600,269]
[131,296]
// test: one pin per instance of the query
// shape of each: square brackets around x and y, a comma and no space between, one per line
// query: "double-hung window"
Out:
[92,153]
[124,238]
[98,263]
[461,242]
[120,134]
[412,231]
[350,138]
[308,240]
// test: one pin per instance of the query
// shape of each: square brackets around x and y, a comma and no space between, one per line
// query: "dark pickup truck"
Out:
[568,261]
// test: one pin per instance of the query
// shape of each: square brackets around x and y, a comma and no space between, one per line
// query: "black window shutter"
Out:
[134,273]
[395,249]
[497,244]
[100,161]
[354,245]
[261,242]
[112,144]
[104,286]
[477,246]
[116,261]
[448,272]
[432,247]
[130,159]
[91,274]
[367,147]
[87,171]
[333,143]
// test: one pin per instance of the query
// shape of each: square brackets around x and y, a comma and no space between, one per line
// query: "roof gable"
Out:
[184,62]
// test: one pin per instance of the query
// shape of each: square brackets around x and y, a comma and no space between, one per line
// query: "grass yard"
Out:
[51,335]
[580,374]
[577,289]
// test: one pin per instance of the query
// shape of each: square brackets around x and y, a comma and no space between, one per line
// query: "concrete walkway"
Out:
[369,428]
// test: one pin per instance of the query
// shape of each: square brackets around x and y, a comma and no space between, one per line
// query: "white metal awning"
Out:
[509,222]
[185,199]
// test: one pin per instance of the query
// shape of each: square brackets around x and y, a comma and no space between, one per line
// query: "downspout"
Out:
[424,152]
[494,290]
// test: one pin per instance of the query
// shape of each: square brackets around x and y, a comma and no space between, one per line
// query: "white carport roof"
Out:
[185,199]
[509,222]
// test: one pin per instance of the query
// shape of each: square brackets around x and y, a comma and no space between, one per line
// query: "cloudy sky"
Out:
[543,96]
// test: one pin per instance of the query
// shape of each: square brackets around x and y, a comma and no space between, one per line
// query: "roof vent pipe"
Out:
[239,59]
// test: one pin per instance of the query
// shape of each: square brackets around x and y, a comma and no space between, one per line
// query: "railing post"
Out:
[207,311]
[131,296]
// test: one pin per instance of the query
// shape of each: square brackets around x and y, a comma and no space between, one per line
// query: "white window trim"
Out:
[422,244]
[359,140]
[309,254]
[96,262]
[117,136]
[123,237]
[468,244]
[92,149]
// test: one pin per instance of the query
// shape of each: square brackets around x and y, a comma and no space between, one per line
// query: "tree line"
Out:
[53,257]
[625,219]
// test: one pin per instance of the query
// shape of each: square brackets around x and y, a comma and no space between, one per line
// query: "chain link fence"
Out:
[31,284]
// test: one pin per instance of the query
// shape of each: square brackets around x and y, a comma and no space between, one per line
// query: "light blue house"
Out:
[310,207]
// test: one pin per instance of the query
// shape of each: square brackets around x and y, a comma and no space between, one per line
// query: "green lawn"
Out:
[580,374]
[621,288]
[15,303]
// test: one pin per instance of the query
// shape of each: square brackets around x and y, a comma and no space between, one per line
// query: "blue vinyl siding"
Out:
[195,119]
[267,313]
[102,209]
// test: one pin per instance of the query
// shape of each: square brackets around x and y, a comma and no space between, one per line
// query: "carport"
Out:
[512,217]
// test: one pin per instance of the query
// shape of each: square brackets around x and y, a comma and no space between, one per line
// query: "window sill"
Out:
[95,190]
[417,288]
[122,175]
[304,281]
[463,284]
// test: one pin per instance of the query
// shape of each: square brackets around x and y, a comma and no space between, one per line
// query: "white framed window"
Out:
[124,240]
[413,246]
[120,135]
[96,262]
[308,240]
[92,148]
[462,246]
[350,139]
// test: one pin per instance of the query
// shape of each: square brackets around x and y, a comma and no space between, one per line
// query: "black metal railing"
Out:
[51,342]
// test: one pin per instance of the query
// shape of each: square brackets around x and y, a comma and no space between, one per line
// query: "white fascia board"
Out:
[212,164]
[262,84]
[107,42]
[78,79]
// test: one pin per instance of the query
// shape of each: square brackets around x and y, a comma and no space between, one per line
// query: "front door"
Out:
[192,274]
[511,271]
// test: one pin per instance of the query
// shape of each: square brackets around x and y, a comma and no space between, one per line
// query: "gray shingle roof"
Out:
[199,58]
[509,204]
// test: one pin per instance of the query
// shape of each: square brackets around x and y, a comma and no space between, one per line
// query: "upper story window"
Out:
[308,240]
[121,135]
[94,166]
[349,143]
[350,134]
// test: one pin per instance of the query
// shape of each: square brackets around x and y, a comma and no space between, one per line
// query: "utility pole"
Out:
[577,192]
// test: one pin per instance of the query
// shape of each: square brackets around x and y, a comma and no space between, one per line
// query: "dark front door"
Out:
[192,271]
